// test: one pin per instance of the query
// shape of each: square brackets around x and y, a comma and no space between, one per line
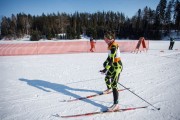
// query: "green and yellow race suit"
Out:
[114,66]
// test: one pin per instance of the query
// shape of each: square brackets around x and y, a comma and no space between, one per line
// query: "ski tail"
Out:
[102,112]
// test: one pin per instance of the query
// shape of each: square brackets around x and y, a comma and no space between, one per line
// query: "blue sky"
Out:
[37,7]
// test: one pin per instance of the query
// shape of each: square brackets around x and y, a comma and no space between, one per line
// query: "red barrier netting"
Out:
[62,47]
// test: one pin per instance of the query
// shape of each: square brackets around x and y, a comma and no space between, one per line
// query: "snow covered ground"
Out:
[34,87]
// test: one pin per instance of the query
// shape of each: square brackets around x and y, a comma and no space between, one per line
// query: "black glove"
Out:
[103,71]
[105,63]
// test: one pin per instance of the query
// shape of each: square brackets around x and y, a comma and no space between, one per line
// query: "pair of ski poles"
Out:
[139,97]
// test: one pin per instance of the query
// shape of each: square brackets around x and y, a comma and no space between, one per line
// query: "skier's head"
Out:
[109,37]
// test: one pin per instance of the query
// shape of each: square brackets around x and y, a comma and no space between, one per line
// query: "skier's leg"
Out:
[115,106]
[172,45]
[117,68]
[115,88]
[114,82]
[107,79]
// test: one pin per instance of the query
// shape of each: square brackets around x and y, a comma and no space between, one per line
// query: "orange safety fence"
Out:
[62,47]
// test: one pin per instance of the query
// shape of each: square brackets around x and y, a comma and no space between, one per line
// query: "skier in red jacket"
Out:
[92,43]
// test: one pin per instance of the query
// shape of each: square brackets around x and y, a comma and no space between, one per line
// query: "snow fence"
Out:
[61,47]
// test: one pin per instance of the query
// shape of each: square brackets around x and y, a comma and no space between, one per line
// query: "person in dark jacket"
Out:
[172,41]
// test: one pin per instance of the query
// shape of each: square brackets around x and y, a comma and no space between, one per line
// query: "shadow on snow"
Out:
[46,86]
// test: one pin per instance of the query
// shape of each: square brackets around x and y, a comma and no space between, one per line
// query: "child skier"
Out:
[112,68]
[92,43]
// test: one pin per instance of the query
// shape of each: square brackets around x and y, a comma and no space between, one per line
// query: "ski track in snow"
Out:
[33,87]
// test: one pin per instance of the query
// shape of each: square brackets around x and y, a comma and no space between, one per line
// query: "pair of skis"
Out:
[100,112]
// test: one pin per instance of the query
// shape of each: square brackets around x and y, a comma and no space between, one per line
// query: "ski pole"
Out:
[139,97]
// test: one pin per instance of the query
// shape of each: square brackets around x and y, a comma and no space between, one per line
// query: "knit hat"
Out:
[109,37]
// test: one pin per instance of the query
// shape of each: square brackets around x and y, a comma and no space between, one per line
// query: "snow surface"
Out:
[34,87]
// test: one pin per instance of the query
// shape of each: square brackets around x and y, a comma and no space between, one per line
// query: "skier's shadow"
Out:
[48,87]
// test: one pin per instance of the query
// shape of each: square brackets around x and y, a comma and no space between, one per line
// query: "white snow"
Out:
[34,87]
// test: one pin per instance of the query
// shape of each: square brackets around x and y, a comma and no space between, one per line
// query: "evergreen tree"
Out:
[177,15]
[4,26]
[168,15]
[162,10]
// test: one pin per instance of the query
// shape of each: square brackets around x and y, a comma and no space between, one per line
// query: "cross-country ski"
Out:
[100,112]
[91,96]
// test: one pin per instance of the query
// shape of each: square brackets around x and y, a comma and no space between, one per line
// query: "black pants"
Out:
[171,45]
[112,78]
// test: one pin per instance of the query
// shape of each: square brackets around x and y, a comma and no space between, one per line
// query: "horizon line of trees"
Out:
[152,24]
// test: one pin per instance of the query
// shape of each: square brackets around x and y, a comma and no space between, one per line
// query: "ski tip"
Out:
[56,115]
[145,107]
[156,109]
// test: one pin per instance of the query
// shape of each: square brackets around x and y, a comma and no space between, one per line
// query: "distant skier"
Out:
[92,44]
[172,41]
[112,68]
